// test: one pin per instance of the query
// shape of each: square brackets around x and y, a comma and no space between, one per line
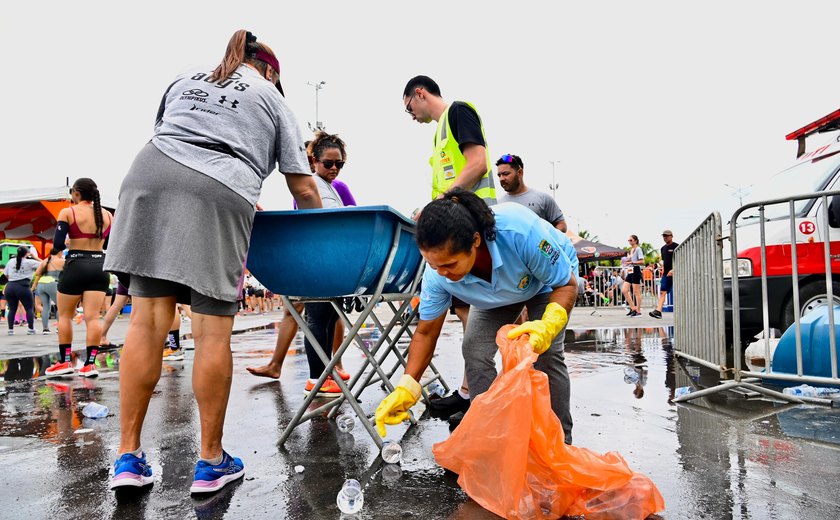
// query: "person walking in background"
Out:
[203,169]
[82,278]
[45,285]
[19,272]
[460,159]
[667,281]
[511,172]
[632,288]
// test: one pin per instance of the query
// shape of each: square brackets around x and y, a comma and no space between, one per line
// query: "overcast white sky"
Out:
[650,108]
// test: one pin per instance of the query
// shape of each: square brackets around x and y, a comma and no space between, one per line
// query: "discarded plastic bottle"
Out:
[683,390]
[391,452]
[435,388]
[812,391]
[631,377]
[95,410]
[345,422]
[350,499]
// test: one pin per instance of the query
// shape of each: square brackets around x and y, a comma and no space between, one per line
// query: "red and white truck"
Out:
[813,172]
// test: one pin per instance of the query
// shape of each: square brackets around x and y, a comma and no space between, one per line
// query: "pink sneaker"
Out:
[59,369]
[88,371]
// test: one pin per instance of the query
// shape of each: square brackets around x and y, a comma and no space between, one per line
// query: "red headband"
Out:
[268,58]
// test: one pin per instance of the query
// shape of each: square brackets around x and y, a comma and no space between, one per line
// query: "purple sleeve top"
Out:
[343,191]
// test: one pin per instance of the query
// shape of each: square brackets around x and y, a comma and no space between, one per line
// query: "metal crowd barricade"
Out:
[602,288]
[700,329]
[366,252]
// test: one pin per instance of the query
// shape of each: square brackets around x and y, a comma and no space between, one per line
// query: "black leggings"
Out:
[19,292]
[321,318]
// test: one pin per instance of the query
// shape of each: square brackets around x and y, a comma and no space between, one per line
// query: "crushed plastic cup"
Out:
[298,469]
[350,499]
[435,388]
[345,422]
[95,410]
[391,452]
[681,391]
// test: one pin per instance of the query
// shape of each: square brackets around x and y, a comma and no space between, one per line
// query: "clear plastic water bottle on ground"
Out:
[681,391]
[391,452]
[350,499]
[631,377]
[345,422]
[812,391]
[435,388]
[95,411]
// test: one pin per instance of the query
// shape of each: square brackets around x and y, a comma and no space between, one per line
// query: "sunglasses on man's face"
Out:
[408,109]
[329,164]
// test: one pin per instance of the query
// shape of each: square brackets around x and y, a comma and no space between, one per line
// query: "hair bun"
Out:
[250,38]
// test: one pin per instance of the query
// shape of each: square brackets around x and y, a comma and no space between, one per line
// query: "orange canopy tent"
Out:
[30,214]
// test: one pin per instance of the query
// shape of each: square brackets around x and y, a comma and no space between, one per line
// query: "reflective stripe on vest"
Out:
[448,161]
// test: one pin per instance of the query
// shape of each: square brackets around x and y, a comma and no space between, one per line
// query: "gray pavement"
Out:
[722,457]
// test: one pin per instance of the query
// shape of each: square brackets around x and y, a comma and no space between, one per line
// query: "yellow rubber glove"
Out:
[394,408]
[543,331]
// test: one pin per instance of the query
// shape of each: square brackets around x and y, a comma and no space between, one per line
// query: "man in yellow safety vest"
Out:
[460,159]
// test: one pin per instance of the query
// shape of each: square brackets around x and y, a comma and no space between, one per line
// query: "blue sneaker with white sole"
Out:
[209,478]
[131,471]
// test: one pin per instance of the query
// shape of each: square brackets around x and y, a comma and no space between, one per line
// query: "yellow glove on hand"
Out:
[543,331]
[394,408]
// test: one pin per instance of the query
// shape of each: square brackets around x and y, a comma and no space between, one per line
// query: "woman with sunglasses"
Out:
[632,288]
[288,327]
[219,133]
[499,261]
[329,154]
[84,227]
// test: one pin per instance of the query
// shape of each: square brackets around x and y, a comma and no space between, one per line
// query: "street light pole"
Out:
[553,186]
[739,192]
[319,125]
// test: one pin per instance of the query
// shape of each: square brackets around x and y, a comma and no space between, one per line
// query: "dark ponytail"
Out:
[90,192]
[455,219]
[21,254]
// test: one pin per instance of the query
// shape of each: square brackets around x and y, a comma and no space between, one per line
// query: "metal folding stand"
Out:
[374,356]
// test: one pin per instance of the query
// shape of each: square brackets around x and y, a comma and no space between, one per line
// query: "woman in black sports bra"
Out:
[82,275]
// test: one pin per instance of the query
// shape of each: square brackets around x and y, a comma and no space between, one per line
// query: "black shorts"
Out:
[83,272]
[142,286]
[635,276]
[259,293]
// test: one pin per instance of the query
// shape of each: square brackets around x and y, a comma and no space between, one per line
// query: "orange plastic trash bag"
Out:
[510,456]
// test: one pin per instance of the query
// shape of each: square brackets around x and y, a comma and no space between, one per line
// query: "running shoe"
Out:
[173,355]
[88,371]
[329,388]
[209,478]
[130,470]
[655,314]
[448,406]
[59,369]
[11,332]
[30,332]
[342,374]
[46,332]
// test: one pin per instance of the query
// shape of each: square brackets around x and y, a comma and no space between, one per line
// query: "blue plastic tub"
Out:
[319,253]
[816,354]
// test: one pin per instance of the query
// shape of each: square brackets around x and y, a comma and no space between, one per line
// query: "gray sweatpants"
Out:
[47,293]
[479,349]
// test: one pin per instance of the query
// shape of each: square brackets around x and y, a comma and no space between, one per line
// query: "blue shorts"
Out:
[665,283]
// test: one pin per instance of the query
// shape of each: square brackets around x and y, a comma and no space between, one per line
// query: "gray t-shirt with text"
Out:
[540,203]
[236,130]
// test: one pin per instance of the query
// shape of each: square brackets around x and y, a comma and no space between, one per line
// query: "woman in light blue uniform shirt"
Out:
[499,261]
